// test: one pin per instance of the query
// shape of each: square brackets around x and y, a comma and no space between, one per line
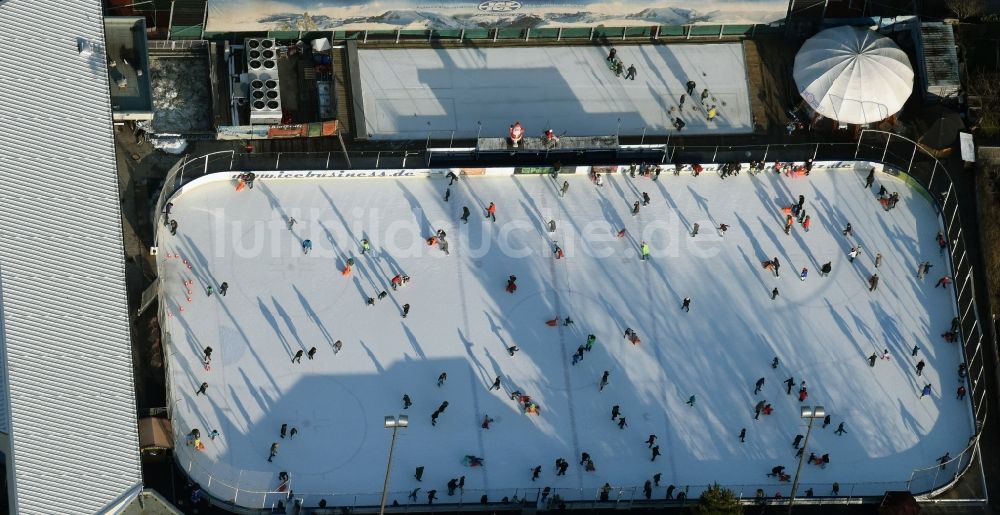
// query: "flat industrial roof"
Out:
[70,392]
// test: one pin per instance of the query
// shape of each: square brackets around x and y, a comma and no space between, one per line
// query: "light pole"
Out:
[811,413]
[394,423]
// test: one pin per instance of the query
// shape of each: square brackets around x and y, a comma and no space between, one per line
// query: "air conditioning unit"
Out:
[262,72]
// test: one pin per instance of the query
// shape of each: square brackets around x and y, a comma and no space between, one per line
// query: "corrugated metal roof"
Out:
[940,58]
[73,435]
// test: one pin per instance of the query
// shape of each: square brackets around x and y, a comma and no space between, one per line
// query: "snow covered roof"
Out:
[63,309]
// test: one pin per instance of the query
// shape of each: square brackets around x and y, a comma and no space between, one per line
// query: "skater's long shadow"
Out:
[700,200]
[467,344]
[895,341]
[535,212]
[844,327]
[311,313]
[495,328]
[234,395]
[497,369]
[908,420]
[254,389]
[754,242]
[332,239]
[772,206]
[423,223]
[413,341]
[340,216]
[287,319]
[866,331]
[273,200]
[371,355]
[266,313]
[775,241]
[673,205]
[362,294]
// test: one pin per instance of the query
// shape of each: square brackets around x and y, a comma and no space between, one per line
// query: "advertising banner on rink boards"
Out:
[318,15]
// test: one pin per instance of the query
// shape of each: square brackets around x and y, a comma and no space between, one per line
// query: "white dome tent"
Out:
[853,75]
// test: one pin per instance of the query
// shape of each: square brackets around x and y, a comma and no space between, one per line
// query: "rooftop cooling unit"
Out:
[262,71]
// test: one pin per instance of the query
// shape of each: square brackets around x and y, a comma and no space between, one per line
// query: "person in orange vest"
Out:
[491,211]
[516,133]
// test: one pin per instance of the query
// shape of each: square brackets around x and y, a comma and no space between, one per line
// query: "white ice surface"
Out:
[822,329]
[409,93]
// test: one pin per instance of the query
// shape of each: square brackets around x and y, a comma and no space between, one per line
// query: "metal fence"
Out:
[900,155]
[495,35]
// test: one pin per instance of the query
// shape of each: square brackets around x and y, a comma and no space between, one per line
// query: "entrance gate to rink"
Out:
[899,155]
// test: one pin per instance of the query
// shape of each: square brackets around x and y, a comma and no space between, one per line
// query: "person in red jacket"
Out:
[491,211]
[516,133]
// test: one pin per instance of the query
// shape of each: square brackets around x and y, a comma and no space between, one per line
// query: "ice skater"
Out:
[631,72]
[274,452]
[694,230]
[565,187]
[307,245]
[615,411]
[337,345]
[312,353]
[644,248]
[789,383]
[536,472]
[465,214]
[635,208]
[297,358]
[759,385]
[870,179]
[496,384]
[202,389]
[223,288]
[853,254]
[656,451]
[873,282]
[743,435]
[920,367]
[406,310]
[491,212]
[925,391]
[848,231]
[686,305]
[604,381]
[512,349]
[442,378]
[406,401]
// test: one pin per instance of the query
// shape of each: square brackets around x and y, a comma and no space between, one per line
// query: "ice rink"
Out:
[409,94]
[462,321]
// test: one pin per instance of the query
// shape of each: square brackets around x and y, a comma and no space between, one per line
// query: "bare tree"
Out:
[984,102]
[965,9]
